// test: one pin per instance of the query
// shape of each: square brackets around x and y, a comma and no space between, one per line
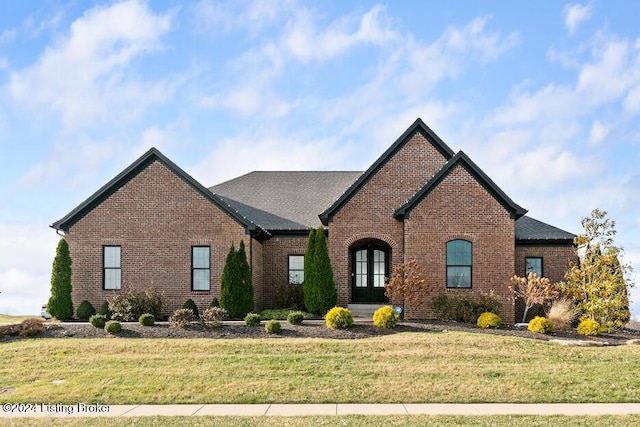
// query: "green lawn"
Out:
[330,421]
[409,367]
[6,318]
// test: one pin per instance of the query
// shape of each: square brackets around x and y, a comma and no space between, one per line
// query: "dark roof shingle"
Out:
[529,230]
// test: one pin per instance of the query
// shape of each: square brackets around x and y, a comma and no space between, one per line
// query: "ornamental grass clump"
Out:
[212,317]
[562,313]
[339,318]
[182,318]
[589,327]
[489,320]
[252,319]
[272,327]
[386,317]
[540,325]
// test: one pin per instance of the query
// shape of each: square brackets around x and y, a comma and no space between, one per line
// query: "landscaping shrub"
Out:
[295,317]
[540,325]
[252,319]
[589,327]
[112,327]
[319,289]
[236,289]
[562,313]
[192,305]
[182,318]
[290,296]
[147,319]
[130,305]
[212,317]
[60,305]
[386,317]
[464,308]
[214,303]
[31,328]
[489,320]
[339,318]
[98,321]
[272,327]
[85,310]
[104,310]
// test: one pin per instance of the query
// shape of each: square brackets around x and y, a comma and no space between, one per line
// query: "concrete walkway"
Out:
[474,409]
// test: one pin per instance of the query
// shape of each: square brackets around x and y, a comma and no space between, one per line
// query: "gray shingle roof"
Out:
[529,230]
[264,220]
[296,196]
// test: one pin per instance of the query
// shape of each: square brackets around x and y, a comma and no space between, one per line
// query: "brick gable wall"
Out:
[156,217]
[460,208]
[369,213]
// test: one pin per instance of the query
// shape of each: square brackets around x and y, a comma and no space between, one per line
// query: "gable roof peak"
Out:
[461,158]
[418,126]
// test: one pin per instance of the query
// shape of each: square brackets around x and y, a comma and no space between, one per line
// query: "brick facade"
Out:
[156,213]
[450,212]
[155,217]
[369,213]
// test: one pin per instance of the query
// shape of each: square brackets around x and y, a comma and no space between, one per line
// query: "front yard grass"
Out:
[423,367]
[8,319]
[330,421]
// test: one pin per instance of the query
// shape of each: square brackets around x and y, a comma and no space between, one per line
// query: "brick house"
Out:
[154,225]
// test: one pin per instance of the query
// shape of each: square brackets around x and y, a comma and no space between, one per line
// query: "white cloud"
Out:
[84,78]
[26,256]
[250,16]
[575,14]
[598,133]
[268,152]
[632,101]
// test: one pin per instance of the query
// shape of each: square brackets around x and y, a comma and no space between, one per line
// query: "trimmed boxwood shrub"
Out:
[589,327]
[489,320]
[112,327]
[147,319]
[540,325]
[386,317]
[98,320]
[104,310]
[339,318]
[85,310]
[272,327]
[295,317]
[191,305]
[214,303]
[252,319]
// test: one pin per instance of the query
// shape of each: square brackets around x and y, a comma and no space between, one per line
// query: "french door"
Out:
[370,268]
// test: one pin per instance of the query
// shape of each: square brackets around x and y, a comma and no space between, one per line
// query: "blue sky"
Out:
[543,96]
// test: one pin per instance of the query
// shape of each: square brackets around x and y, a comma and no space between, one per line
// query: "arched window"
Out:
[459,264]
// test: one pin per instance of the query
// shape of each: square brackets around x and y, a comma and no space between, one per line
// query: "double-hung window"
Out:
[200,268]
[459,264]
[112,267]
[296,269]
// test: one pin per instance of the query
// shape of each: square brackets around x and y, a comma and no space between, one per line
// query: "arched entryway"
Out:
[369,270]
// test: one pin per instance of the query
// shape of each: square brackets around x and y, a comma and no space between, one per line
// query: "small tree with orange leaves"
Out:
[533,290]
[408,283]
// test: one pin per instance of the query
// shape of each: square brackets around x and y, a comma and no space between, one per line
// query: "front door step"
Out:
[360,310]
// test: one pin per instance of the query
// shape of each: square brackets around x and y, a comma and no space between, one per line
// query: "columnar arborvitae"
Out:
[309,282]
[327,294]
[236,290]
[246,293]
[319,290]
[60,305]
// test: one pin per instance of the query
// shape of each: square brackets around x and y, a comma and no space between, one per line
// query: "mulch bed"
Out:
[360,330]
